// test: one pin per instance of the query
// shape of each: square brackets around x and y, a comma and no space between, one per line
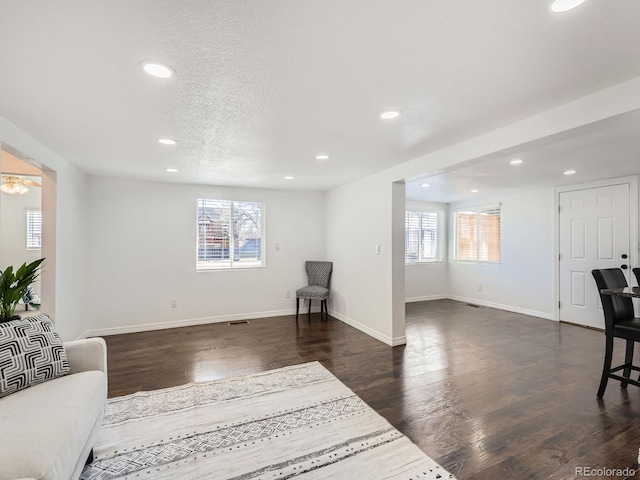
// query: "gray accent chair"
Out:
[636,272]
[319,275]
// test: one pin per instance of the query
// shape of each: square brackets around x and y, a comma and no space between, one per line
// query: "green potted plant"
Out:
[14,286]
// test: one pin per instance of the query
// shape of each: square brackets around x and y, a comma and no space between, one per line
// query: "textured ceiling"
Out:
[264,86]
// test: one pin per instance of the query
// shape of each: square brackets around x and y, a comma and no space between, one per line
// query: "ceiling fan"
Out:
[13,184]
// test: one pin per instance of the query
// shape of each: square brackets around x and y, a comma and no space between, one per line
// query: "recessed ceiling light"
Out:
[516,161]
[171,170]
[322,156]
[559,6]
[158,69]
[568,172]
[390,114]
[288,177]
[425,185]
[475,190]
[166,141]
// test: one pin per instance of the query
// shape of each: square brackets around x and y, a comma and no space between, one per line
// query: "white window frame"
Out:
[439,236]
[230,251]
[33,220]
[478,211]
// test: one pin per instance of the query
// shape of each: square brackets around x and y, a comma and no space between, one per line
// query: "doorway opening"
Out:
[27,223]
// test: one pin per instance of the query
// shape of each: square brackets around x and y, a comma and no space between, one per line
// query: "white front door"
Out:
[594,233]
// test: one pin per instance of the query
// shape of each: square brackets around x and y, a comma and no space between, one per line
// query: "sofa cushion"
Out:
[30,353]
[49,425]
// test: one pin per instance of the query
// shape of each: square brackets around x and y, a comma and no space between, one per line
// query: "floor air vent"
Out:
[238,322]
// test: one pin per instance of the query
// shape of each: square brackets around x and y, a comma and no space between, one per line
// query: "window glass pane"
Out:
[478,234]
[411,237]
[214,227]
[34,229]
[429,237]
[421,237]
[229,234]
[247,221]
[467,236]
[489,248]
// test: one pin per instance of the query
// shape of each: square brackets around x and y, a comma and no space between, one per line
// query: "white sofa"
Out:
[47,430]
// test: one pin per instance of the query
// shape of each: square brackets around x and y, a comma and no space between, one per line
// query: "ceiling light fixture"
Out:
[166,141]
[425,185]
[475,190]
[390,115]
[14,188]
[516,161]
[559,6]
[171,170]
[289,177]
[322,156]
[568,172]
[158,70]
[15,185]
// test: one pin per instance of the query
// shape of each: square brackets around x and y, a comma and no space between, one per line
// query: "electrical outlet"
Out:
[378,249]
[479,287]
[174,303]
[287,294]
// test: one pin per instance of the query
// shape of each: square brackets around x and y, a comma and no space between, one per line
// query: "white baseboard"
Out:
[189,322]
[426,298]
[500,306]
[393,342]
[280,313]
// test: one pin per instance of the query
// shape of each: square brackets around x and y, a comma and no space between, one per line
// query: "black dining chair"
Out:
[636,272]
[620,322]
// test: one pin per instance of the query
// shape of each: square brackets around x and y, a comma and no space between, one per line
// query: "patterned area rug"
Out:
[297,421]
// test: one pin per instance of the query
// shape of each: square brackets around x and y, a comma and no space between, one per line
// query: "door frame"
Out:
[634,245]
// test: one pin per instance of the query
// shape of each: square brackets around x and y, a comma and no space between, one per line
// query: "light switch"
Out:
[378,249]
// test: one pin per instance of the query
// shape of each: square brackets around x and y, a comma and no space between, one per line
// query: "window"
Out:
[229,234]
[477,234]
[421,237]
[34,229]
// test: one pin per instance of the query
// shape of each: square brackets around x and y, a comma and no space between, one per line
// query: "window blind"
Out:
[421,237]
[477,234]
[34,229]
[489,235]
[229,234]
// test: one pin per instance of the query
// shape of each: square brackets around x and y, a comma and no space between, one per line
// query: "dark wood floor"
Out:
[486,393]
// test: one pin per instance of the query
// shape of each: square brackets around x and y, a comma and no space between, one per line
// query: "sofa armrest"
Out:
[87,354]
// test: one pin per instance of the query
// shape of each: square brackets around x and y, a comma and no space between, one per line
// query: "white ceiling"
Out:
[264,86]
[604,150]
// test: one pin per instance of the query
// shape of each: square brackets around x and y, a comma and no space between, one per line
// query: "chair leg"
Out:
[326,313]
[297,307]
[309,308]
[606,367]
[89,458]
[628,360]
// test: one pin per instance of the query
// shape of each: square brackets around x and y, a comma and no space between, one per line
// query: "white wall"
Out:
[366,289]
[429,281]
[359,217]
[524,279]
[142,242]
[96,274]
[69,249]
